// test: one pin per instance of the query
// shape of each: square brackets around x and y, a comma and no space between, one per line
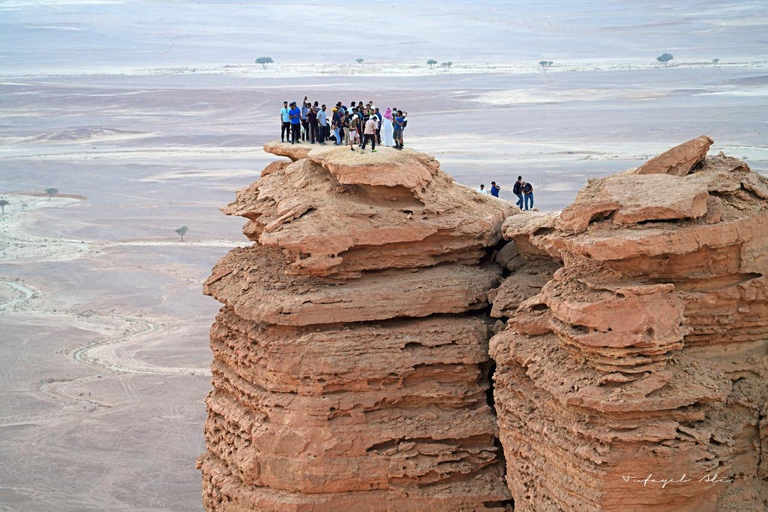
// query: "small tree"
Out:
[264,61]
[359,61]
[51,191]
[3,204]
[715,61]
[545,64]
[182,231]
[447,65]
[431,63]
[664,58]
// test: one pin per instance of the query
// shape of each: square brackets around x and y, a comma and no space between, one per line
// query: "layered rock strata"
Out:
[636,347]
[351,358]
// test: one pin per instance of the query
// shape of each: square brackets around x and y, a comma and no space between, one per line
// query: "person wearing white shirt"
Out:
[482,190]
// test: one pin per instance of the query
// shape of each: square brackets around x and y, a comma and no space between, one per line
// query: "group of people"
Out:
[522,189]
[355,125]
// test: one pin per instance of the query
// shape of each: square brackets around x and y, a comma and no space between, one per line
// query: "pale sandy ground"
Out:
[103,327]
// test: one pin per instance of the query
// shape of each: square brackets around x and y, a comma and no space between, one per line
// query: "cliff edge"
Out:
[351,366]
[636,347]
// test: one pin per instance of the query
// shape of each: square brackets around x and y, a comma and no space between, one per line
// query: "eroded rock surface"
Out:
[351,355]
[640,346]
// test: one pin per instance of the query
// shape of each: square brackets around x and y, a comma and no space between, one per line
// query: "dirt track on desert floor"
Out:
[101,357]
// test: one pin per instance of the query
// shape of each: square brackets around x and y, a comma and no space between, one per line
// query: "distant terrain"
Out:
[147,116]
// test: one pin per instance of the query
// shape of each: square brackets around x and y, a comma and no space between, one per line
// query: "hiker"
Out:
[354,136]
[345,126]
[305,119]
[398,129]
[336,124]
[379,118]
[386,129]
[370,133]
[312,121]
[528,193]
[285,122]
[295,116]
[322,120]
[517,189]
[482,190]
[495,189]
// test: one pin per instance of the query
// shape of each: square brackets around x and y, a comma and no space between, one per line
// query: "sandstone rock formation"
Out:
[351,355]
[637,342]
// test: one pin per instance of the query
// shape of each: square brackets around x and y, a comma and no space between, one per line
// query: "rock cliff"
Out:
[637,342]
[351,358]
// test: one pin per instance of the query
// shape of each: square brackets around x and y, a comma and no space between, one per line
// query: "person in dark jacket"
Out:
[312,119]
[528,193]
[517,189]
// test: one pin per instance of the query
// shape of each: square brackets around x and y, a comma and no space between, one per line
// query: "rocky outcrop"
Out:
[679,160]
[351,358]
[636,349]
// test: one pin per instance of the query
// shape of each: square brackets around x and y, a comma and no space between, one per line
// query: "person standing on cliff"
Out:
[495,189]
[399,124]
[378,124]
[518,191]
[312,121]
[482,190]
[305,107]
[370,133]
[322,121]
[528,193]
[354,135]
[336,125]
[285,122]
[295,116]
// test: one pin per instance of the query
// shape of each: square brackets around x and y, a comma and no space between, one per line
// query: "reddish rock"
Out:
[336,212]
[679,160]
[634,199]
[351,357]
[647,352]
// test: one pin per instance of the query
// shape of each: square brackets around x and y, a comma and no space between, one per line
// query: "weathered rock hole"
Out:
[601,216]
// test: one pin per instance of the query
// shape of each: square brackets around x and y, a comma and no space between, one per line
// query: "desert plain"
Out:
[103,326]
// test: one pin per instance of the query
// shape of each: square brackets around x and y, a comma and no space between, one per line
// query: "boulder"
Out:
[679,160]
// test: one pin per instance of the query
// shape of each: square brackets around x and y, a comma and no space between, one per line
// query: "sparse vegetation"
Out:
[51,191]
[182,231]
[431,63]
[715,61]
[3,204]
[664,58]
[447,65]
[264,61]
[545,64]
[359,61]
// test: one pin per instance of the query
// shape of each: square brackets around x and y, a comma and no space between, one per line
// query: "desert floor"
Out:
[103,326]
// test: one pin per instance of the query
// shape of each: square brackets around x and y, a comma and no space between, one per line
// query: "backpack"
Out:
[517,189]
